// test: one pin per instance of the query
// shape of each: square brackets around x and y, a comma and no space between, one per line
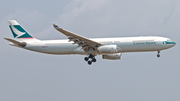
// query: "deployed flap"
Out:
[81,41]
[23,44]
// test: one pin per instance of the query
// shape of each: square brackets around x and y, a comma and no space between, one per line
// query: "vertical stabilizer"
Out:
[18,31]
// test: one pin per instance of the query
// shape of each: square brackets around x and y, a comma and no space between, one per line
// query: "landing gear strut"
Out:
[158,55]
[91,58]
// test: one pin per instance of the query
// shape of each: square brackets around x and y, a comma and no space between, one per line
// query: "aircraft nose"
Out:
[170,43]
[174,43]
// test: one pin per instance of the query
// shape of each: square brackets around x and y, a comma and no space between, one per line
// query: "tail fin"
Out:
[17,31]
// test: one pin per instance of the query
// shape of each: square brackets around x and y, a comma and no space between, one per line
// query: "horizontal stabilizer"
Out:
[22,44]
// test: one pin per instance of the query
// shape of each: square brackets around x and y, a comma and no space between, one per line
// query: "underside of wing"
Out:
[77,39]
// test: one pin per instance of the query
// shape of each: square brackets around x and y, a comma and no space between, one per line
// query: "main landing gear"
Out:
[158,55]
[91,58]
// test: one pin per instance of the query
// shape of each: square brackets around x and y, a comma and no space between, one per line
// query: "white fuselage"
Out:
[125,44]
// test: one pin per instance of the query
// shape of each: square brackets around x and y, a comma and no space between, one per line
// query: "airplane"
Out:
[109,48]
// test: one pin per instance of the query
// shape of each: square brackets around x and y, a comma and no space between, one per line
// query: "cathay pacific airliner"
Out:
[109,48]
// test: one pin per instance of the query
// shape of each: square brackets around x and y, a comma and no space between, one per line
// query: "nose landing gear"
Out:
[91,58]
[158,55]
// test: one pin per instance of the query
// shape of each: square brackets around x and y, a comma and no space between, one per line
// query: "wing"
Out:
[77,39]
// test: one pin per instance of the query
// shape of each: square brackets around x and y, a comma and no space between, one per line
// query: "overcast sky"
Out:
[31,76]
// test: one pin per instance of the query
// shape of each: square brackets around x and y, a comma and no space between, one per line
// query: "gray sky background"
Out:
[31,76]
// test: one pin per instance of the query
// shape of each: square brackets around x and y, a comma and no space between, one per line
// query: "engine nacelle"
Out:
[116,56]
[108,49]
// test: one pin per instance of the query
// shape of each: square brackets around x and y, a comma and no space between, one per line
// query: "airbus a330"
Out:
[109,48]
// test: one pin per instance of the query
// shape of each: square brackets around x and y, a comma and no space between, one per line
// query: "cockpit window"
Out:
[168,40]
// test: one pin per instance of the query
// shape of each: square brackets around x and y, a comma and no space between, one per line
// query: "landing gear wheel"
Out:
[91,56]
[86,58]
[93,60]
[158,55]
[89,62]
[90,59]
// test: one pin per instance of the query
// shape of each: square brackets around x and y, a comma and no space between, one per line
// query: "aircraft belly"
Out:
[52,49]
[60,49]
[78,50]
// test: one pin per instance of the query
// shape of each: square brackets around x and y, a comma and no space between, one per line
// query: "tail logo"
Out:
[19,32]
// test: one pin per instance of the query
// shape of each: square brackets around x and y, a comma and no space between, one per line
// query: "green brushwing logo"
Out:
[19,32]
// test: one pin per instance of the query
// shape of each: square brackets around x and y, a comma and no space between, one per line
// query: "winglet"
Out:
[55,26]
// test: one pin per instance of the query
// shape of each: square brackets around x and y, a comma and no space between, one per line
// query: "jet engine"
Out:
[116,56]
[108,49]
